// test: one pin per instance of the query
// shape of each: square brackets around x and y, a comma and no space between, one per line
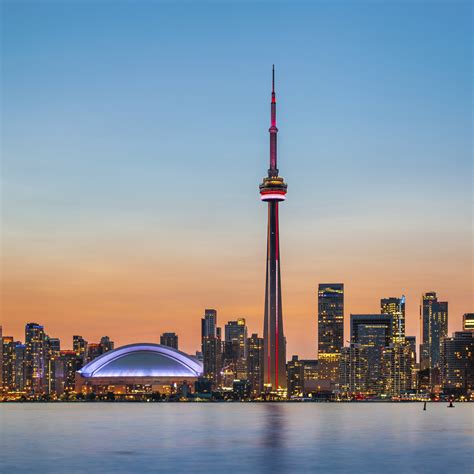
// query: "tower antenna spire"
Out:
[273,78]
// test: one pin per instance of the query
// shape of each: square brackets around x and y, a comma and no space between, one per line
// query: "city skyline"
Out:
[111,219]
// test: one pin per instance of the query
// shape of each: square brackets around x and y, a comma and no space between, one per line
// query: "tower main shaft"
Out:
[273,190]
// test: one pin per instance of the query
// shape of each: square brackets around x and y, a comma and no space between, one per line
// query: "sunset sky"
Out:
[135,134]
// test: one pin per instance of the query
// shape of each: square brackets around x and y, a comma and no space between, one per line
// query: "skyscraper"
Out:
[211,345]
[7,368]
[330,329]
[35,357]
[373,332]
[434,327]
[396,307]
[235,350]
[169,339]
[457,363]
[272,191]
[255,363]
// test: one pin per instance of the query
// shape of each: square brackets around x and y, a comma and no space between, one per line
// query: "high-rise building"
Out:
[66,366]
[354,370]
[397,368]
[52,349]
[434,327]
[19,367]
[396,307]
[79,346]
[330,330]
[330,318]
[35,358]
[169,339]
[211,346]
[235,348]
[457,363]
[295,376]
[374,333]
[8,358]
[468,322]
[272,191]
[255,363]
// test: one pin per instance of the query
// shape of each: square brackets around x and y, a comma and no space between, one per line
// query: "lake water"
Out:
[238,438]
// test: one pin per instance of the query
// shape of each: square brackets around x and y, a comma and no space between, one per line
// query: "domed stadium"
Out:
[142,367]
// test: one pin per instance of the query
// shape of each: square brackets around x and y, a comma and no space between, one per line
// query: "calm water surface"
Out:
[241,438]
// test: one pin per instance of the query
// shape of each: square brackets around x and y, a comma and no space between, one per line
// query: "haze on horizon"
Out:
[134,137]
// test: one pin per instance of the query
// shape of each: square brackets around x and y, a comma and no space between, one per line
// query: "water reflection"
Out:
[273,438]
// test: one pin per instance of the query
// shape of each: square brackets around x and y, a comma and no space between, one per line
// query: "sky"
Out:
[135,134]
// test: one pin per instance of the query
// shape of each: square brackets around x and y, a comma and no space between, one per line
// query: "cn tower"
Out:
[272,191]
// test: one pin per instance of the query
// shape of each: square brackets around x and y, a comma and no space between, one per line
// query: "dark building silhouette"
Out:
[169,339]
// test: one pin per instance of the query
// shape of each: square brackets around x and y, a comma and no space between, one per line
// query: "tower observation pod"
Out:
[273,191]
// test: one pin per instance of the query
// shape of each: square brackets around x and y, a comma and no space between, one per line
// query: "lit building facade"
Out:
[434,327]
[235,348]
[35,358]
[211,347]
[255,363]
[354,370]
[396,307]
[273,191]
[295,374]
[8,364]
[330,329]
[137,368]
[457,363]
[468,322]
[373,332]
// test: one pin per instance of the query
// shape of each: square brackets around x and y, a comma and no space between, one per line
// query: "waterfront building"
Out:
[468,322]
[139,368]
[330,329]
[295,377]
[242,389]
[397,368]
[66,365]
[211,346]
[169,339]
[19,367]
[457,363]
[396,307]
[354,370]
[255,363]
[35,358]
[434,327]
[273,191]
[7,368]
[374,333]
